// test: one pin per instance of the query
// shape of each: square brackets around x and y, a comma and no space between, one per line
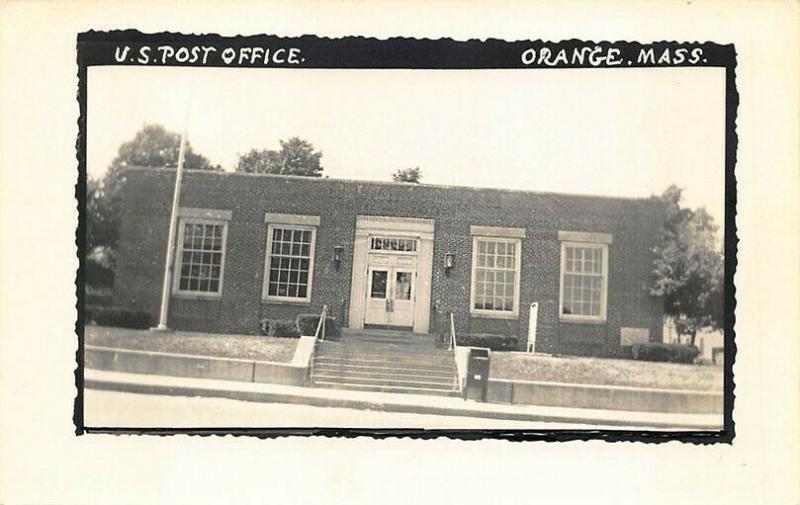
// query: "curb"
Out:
[382,406]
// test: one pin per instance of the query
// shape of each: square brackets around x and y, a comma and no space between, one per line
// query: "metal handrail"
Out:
[321,324]
[453,347]
[452,333]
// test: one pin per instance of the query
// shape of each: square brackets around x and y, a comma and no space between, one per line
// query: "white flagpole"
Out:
[173,225]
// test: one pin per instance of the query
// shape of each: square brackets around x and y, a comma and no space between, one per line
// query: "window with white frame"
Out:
[495,276]
[290,262]
[584,280]
[201,258]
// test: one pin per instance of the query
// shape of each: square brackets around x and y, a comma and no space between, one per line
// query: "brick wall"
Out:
[634,225]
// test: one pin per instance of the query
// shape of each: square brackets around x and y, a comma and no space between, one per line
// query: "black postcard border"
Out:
[97,48]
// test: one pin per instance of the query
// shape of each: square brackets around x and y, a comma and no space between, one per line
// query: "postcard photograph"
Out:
[269,245]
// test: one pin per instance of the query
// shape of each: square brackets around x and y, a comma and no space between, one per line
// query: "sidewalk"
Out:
[391,402]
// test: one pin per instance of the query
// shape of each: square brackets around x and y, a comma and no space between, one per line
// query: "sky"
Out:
[612,132]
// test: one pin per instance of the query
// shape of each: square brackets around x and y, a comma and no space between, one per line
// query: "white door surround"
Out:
[402,276]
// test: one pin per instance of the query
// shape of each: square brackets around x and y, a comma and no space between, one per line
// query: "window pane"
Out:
[402,286]
[495,275]
[582,280]
[379,278]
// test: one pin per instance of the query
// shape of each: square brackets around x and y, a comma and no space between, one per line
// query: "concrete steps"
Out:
[383,361]
[373,371]
[349,357]
[387,389]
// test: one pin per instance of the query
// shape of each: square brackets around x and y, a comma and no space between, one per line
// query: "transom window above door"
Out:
[393,244]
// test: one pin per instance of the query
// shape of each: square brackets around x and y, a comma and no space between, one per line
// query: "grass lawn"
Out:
[617,372]
[185,342]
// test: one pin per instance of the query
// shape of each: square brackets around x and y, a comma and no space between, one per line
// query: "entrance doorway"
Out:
[390,296]
[392,270]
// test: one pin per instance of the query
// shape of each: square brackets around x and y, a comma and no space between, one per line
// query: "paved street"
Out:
[116,409]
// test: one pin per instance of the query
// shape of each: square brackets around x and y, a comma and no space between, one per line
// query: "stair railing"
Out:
[453,347]
[452,333]
[320,333]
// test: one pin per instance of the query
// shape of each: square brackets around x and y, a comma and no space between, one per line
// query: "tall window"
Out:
[289,268]
[201,258]
[584,281]
[495,276]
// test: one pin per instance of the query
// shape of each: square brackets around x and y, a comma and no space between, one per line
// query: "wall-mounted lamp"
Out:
[449,262]
[337,254]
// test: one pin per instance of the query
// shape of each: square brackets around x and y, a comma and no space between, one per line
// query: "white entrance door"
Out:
[390,296]
[392,273]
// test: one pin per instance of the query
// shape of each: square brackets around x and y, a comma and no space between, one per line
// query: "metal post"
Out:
[173,225]
[532,320]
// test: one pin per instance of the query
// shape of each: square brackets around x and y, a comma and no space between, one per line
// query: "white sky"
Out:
[616,132]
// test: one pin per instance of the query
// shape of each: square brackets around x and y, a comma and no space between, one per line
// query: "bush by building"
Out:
[281,328]
[307,324]
[492,341]
[671,353]
[117,316]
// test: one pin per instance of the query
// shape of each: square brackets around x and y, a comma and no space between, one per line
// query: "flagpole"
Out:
[173,225]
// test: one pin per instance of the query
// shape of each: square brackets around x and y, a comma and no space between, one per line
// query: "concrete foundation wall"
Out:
[590,396]
[200,367]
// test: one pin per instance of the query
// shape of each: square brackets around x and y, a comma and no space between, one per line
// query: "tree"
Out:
[689,268]
[98,230]
[152,146]
[295,157]
[407,175]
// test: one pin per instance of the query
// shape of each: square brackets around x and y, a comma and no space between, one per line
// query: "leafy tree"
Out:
[689,268]
[295,157]
[408,175]
[98,230]
[152,146]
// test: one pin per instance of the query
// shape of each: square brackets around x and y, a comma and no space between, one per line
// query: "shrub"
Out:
[492,341]
[266,326]
[281,328]
[307,324]
[672,353]
[117,316]
[98,275]
[102,297]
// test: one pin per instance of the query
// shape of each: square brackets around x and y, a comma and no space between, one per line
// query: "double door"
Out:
[390,295]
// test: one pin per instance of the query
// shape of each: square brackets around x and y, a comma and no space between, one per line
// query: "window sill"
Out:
[197,296]
[286,301]
[491,315]
[582,320]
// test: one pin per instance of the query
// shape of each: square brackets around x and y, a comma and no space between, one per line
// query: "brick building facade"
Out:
[378,253]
